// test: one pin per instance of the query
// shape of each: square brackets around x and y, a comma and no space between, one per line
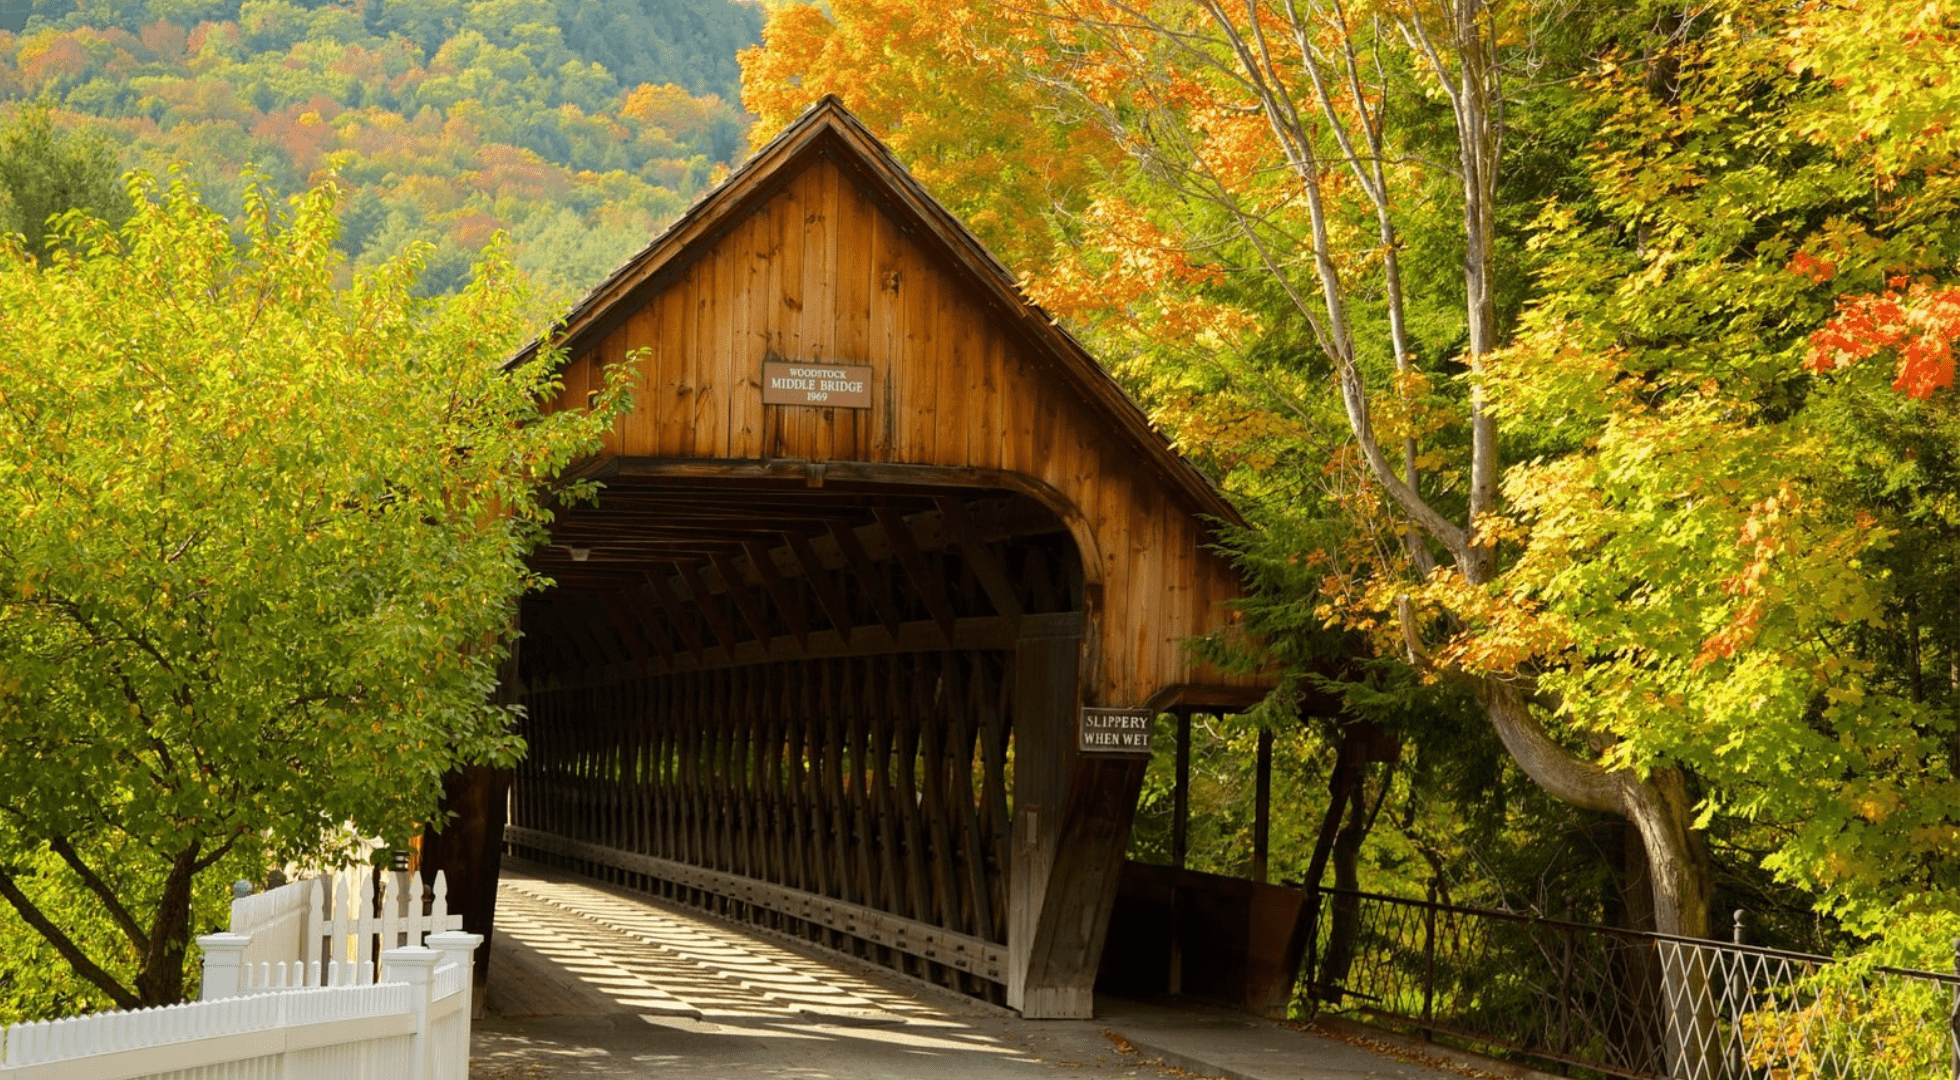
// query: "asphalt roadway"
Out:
[593,983]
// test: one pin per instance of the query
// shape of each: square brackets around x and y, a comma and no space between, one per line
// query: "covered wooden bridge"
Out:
[862,638]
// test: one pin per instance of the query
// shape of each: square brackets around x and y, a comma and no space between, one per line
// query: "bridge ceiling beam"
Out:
[656,584]
[699,578]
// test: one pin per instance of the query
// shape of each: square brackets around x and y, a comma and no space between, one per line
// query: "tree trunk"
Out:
[1306,931]
[161,980]
[1344,914]
[1659,810]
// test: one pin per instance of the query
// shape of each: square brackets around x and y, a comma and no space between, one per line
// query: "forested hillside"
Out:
[576,127]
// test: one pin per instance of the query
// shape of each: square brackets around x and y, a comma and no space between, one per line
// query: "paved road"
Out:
[588,983]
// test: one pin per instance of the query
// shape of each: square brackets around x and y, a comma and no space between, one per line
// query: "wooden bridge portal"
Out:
[873,536]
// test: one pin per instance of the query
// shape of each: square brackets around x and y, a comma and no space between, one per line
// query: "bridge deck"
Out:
[593,983]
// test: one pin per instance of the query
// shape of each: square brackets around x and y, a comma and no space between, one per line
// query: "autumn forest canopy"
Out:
[1584,370]
[576,127]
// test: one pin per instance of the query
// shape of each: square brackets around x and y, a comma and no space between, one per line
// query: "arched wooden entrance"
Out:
[874,535]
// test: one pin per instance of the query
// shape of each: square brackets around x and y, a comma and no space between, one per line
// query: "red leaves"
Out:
[1916,321]
[1804,264]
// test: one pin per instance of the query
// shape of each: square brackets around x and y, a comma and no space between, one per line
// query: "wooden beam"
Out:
[745,602]
[867,573]
[573,623]
[993,577]
[652,630]
[1262,805]
[898,534]
[1181,794]
[628,633]
[832,601]
[1059,972]
[549,648]
[1045,697]
[780,590]
[657,585]
[697,591]
[990,633]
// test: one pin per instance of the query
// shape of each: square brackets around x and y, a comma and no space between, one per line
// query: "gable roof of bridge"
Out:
[829,130]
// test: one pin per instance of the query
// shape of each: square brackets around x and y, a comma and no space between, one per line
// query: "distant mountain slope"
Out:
[690,43]
[578,127]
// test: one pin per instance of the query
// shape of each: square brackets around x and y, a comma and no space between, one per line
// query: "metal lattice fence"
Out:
[1603,1001]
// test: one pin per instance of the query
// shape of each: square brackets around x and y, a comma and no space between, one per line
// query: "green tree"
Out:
[46,171]
[261,541]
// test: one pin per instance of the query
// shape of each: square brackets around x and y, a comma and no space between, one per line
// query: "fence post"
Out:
[1953,1019]
[224,956]
[1738,988]
[1429,965]
[416,966]
[459,947]
[1566,937]
[1314,951]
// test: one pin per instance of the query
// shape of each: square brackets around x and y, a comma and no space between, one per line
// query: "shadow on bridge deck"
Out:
[592,982]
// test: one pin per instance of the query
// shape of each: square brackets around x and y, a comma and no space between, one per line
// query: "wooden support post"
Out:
[1181,795]
[1071,822]
[470,852]
[1045,701]
[1262,806]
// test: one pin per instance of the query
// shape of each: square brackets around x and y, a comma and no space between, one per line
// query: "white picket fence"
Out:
[303,932]
[413,1024]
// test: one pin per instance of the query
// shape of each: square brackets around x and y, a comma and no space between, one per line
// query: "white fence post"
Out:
[416,966]
[459,948]
[223,955]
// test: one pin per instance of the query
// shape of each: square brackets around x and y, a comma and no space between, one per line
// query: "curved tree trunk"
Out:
[1682,881]
[1658,807]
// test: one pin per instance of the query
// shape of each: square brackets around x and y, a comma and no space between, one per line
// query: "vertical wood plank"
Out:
[790,206]
[715,369]
[887,337]
[774,738]
[863,845]
[675,316]
[918,889]
[755,250]
[919,423]
[851,320]
[820,296]
[965,695]
[891,894]
[998,734]
[838,832]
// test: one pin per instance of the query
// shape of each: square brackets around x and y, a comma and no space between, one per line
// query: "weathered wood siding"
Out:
[820,272]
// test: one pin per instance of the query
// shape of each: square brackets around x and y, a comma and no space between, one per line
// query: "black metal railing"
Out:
[1597,1000]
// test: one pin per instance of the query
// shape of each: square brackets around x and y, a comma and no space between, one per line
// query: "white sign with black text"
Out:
[1114,731]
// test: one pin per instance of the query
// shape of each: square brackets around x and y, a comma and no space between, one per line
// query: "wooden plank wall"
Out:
[821,273]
